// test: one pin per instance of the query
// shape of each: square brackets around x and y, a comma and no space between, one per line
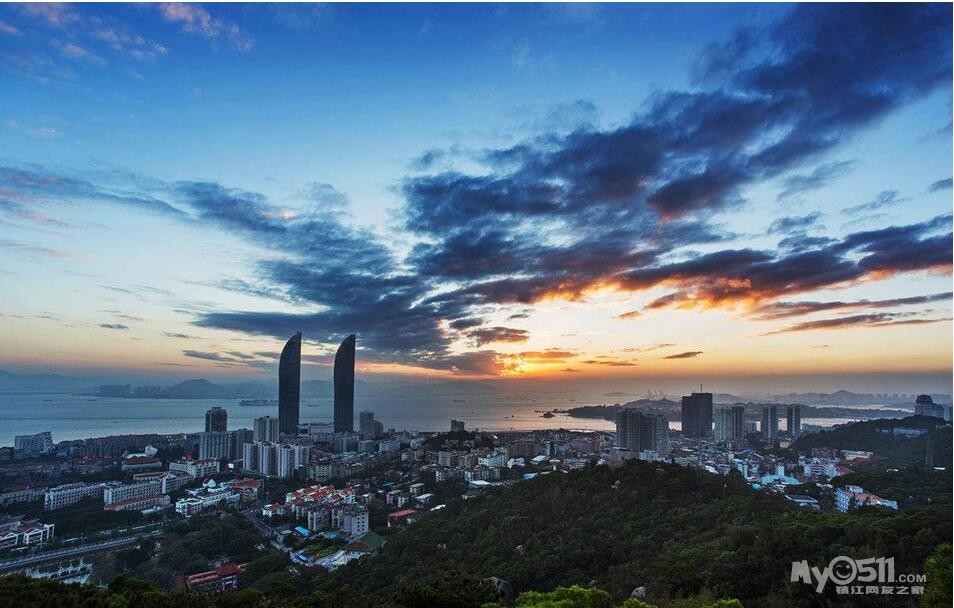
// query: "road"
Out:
[69,552]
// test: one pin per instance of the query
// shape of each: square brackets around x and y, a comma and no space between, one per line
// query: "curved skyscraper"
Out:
[289,386]
[344,386]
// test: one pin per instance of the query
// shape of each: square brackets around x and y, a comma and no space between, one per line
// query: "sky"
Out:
[556,192]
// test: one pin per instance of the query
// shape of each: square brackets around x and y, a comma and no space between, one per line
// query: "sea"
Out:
[69,416]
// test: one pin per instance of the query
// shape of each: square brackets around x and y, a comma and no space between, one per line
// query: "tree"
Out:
[937,591]
[445,590]
[566,597]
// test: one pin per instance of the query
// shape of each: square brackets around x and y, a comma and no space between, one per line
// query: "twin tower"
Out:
[289,386]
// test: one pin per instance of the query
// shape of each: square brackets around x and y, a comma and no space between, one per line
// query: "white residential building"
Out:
[214,445]
[16,532]
[41,443]
[209,496]
[121,492]
[70,494]
[351,519]
[493,459]
[195,468]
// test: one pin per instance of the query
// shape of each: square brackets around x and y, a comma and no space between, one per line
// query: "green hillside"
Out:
[890,450]
[676,531]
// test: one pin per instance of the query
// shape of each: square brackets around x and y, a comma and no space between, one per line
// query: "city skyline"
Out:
[569,194]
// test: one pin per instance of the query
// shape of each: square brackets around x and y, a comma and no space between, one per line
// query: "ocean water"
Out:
[80,417]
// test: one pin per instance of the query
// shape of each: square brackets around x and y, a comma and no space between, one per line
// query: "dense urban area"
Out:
[371,516]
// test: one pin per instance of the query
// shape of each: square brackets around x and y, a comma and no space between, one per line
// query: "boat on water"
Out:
[259,402]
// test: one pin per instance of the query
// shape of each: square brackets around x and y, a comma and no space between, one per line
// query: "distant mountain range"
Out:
[43,383]
[204,389]
[423,388]
[201,388]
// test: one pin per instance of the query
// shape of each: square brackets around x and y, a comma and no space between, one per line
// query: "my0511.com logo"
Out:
[870,576]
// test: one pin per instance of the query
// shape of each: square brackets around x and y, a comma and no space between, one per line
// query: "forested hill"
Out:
[678,531]
[890,449]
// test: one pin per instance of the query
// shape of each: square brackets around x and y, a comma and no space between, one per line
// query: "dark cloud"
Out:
[568,211]
[428,160]
[30,186]
[941,184]
[466,323]
[610,363]
[347,271]
[481,362]
[797,224]
[118,326]
[488,335]
[799,241]
[242,286]
[885,198]
[755,276]
[779,310]
[547,354]
[624,200]
[690,354]
[176,335]
[195,354]
[819,177]
[633,314]
[651,347]
[880,319]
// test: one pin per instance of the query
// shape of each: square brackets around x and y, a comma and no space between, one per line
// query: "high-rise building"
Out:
[213,446]
[344,386]
[288,458]
[265,429]
[41,443]
[216,420]
[273,459]
[636,431]
[793,419]
[344,442]
[925,406]
[457,426]
[730,423]
[237,439]
[697,415]
[769,423]
[250,456]
[368,427]
[289,386]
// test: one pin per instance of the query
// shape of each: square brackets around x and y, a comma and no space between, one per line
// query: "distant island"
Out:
[672,410]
